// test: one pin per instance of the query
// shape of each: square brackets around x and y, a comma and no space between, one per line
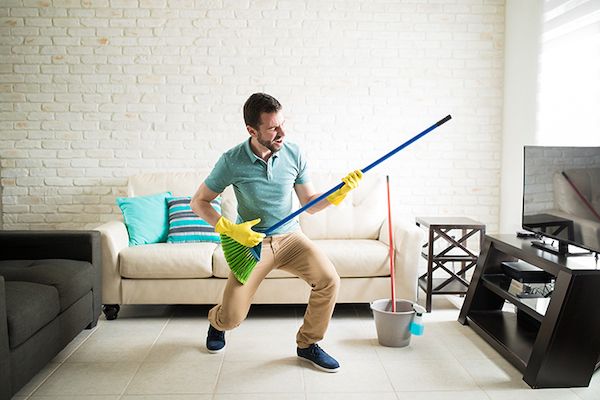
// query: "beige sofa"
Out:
[353,235]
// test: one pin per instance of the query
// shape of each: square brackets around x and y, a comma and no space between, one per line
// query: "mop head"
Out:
[241,259]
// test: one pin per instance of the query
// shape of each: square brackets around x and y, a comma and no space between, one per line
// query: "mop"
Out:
[416,326]
[391,239]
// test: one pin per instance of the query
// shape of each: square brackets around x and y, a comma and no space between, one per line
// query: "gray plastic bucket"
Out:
[393,328]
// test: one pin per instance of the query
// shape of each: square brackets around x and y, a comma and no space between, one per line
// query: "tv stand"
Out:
[561,250]
[555,341]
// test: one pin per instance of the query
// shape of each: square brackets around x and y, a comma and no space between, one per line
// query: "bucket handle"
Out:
[418,309]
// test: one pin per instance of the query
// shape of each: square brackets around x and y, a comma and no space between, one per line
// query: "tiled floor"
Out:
[157,353]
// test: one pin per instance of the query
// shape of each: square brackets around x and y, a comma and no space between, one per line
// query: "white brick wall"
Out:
[92,91]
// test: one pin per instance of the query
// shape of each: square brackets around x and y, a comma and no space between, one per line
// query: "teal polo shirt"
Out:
[263,189]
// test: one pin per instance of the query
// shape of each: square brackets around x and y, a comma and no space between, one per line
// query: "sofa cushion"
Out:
[351,258]
[167,261]
[72,278]
[146,218]
[185,226]
[360,258]
[29,307]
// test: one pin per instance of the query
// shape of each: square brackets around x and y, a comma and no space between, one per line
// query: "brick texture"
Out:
[92,91]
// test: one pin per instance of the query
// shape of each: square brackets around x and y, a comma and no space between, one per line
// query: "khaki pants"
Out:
[298,255]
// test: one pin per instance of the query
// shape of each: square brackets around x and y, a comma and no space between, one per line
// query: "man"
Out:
[265,171]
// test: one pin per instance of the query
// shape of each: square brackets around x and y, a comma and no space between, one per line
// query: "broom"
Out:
[242,259]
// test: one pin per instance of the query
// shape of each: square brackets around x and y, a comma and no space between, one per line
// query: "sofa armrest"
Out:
[113,239]
[408,239]
[5,389]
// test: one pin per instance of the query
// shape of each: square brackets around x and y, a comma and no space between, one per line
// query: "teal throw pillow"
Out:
[146,218]
[185,226]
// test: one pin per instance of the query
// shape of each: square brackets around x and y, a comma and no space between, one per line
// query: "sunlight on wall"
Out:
[569,81]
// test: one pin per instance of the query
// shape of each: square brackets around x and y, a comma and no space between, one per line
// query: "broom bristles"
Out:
[240,258]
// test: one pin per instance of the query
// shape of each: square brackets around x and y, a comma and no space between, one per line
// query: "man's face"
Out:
[270,132]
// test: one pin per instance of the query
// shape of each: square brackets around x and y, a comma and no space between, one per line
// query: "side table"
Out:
[452,234]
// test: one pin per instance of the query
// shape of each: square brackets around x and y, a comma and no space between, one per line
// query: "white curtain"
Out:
[569,81]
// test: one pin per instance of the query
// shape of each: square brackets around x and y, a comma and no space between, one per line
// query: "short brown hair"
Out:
[257,104]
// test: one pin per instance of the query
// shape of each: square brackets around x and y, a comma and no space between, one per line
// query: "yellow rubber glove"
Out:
[241,233]
[350,182]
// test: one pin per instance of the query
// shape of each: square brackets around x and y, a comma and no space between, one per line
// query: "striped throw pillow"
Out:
[185,226]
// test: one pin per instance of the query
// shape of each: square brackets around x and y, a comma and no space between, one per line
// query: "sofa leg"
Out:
[92,324]
[111,311]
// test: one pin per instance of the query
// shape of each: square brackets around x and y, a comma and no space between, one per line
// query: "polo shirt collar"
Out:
[253,157]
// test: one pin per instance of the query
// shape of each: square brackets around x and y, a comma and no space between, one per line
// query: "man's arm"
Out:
[200,204]
[306,193]
[242,233]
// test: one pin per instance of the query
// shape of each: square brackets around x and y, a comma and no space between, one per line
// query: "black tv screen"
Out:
[561,194]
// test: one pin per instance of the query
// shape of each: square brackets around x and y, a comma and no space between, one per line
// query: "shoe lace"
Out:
[316,349]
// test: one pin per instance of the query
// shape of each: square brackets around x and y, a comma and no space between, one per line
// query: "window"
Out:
[569,81]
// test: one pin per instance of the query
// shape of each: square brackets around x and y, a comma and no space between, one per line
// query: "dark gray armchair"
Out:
[49,292]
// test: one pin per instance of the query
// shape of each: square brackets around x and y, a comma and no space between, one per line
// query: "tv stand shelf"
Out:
[499,284]
[501,329]
[555,345]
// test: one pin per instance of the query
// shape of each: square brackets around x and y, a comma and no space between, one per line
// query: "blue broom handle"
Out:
[364,170]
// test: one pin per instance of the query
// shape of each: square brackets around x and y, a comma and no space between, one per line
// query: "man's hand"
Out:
[241,233]
[350,182]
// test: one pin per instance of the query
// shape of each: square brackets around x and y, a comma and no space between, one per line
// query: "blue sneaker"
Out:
[215,341]
[319,358]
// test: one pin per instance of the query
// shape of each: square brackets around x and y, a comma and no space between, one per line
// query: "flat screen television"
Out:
[561,196]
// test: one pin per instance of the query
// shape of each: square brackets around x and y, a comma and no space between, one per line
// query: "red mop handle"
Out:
[392,272]
[581,196]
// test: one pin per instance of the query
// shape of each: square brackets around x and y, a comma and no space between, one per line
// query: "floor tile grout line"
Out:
[43,381]
[469,373]
[301,321]
[384,369]
[61,363]
[447,322]
[577,395]
[479,386]
[387,375]
[302,370]
[146,356]
[219,371]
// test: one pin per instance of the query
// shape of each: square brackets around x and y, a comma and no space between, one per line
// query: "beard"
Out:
[270,144]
